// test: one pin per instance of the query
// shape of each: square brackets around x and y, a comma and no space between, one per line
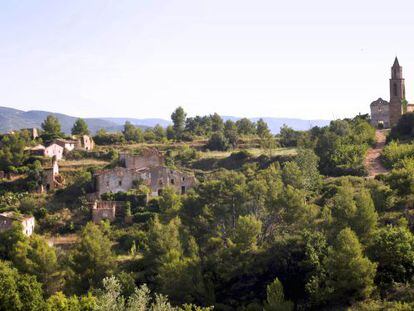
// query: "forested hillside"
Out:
[273,222]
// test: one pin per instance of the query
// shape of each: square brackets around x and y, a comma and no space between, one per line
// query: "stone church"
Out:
[386,114]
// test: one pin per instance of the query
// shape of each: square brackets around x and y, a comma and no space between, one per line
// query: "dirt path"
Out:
[372,160]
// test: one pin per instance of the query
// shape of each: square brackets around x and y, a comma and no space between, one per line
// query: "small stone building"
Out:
[162,177]
[68,145]
[85,142]
[54,150]
[103,210]
[8,218]
[51,178]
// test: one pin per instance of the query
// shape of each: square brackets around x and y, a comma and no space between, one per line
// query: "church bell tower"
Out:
[397,93]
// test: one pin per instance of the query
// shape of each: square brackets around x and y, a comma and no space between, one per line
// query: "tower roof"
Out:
[396,63]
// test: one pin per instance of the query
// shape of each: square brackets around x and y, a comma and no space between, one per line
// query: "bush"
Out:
[394,152]
[404,129]
[218,142]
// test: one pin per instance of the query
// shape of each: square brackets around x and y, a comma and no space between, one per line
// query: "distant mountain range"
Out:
[14,119]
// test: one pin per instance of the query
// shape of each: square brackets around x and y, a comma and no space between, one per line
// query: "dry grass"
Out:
[256,152]
[76,164]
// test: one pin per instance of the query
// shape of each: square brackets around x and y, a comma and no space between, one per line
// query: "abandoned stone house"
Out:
[146,168]
[84,142]
[8,218]
[104,210]
[387,114]
[67,144]
[51,178]
[54,150]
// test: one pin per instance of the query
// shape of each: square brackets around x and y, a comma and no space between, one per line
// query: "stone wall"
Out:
[8,218]
[119,179]
[104,210]
[380,113]
[149,157]
[162,177]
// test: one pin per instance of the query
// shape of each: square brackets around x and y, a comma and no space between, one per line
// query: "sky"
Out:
[319,59]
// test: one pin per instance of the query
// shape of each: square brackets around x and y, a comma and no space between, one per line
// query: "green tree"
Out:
[245,127]
[92,259]
[169,203]
[350,275]
[51,127]
[159,132]
[170,132]
[217,124]
[292,175]
[276,298]
[308,162]
[354,209]
[9,294]
[132,133]
[178,119]
[60,302]
[288,136]
[393,249]
[12,153]
[247,232]
[80,127]
[34,256]
[18,291]
[172,257]
[9,239]
[218,142]
[230,133]
[262,129]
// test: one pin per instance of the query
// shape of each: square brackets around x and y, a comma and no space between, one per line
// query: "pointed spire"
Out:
[396,63]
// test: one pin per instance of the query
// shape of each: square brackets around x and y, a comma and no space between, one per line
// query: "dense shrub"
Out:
[394,152]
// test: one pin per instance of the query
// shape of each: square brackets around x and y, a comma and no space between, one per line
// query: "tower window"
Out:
[395,72]
[395,89]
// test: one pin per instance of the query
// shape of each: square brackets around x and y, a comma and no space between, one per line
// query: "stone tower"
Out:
[397,93]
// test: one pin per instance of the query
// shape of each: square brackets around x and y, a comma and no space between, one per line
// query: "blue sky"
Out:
[305,59]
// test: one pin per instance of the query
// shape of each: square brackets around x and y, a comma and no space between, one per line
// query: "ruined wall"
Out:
[87,143]
[54,150]
[7,219]
[28,225]
[162,177]
[147,158]
[118,179]
[104,210]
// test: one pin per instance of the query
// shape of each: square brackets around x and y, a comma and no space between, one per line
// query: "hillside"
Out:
[12,119]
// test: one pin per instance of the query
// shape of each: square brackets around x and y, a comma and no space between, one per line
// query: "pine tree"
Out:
[80,127]
[350,275]
[276,298]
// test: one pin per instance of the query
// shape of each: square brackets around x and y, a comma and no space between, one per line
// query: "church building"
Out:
[386,114]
